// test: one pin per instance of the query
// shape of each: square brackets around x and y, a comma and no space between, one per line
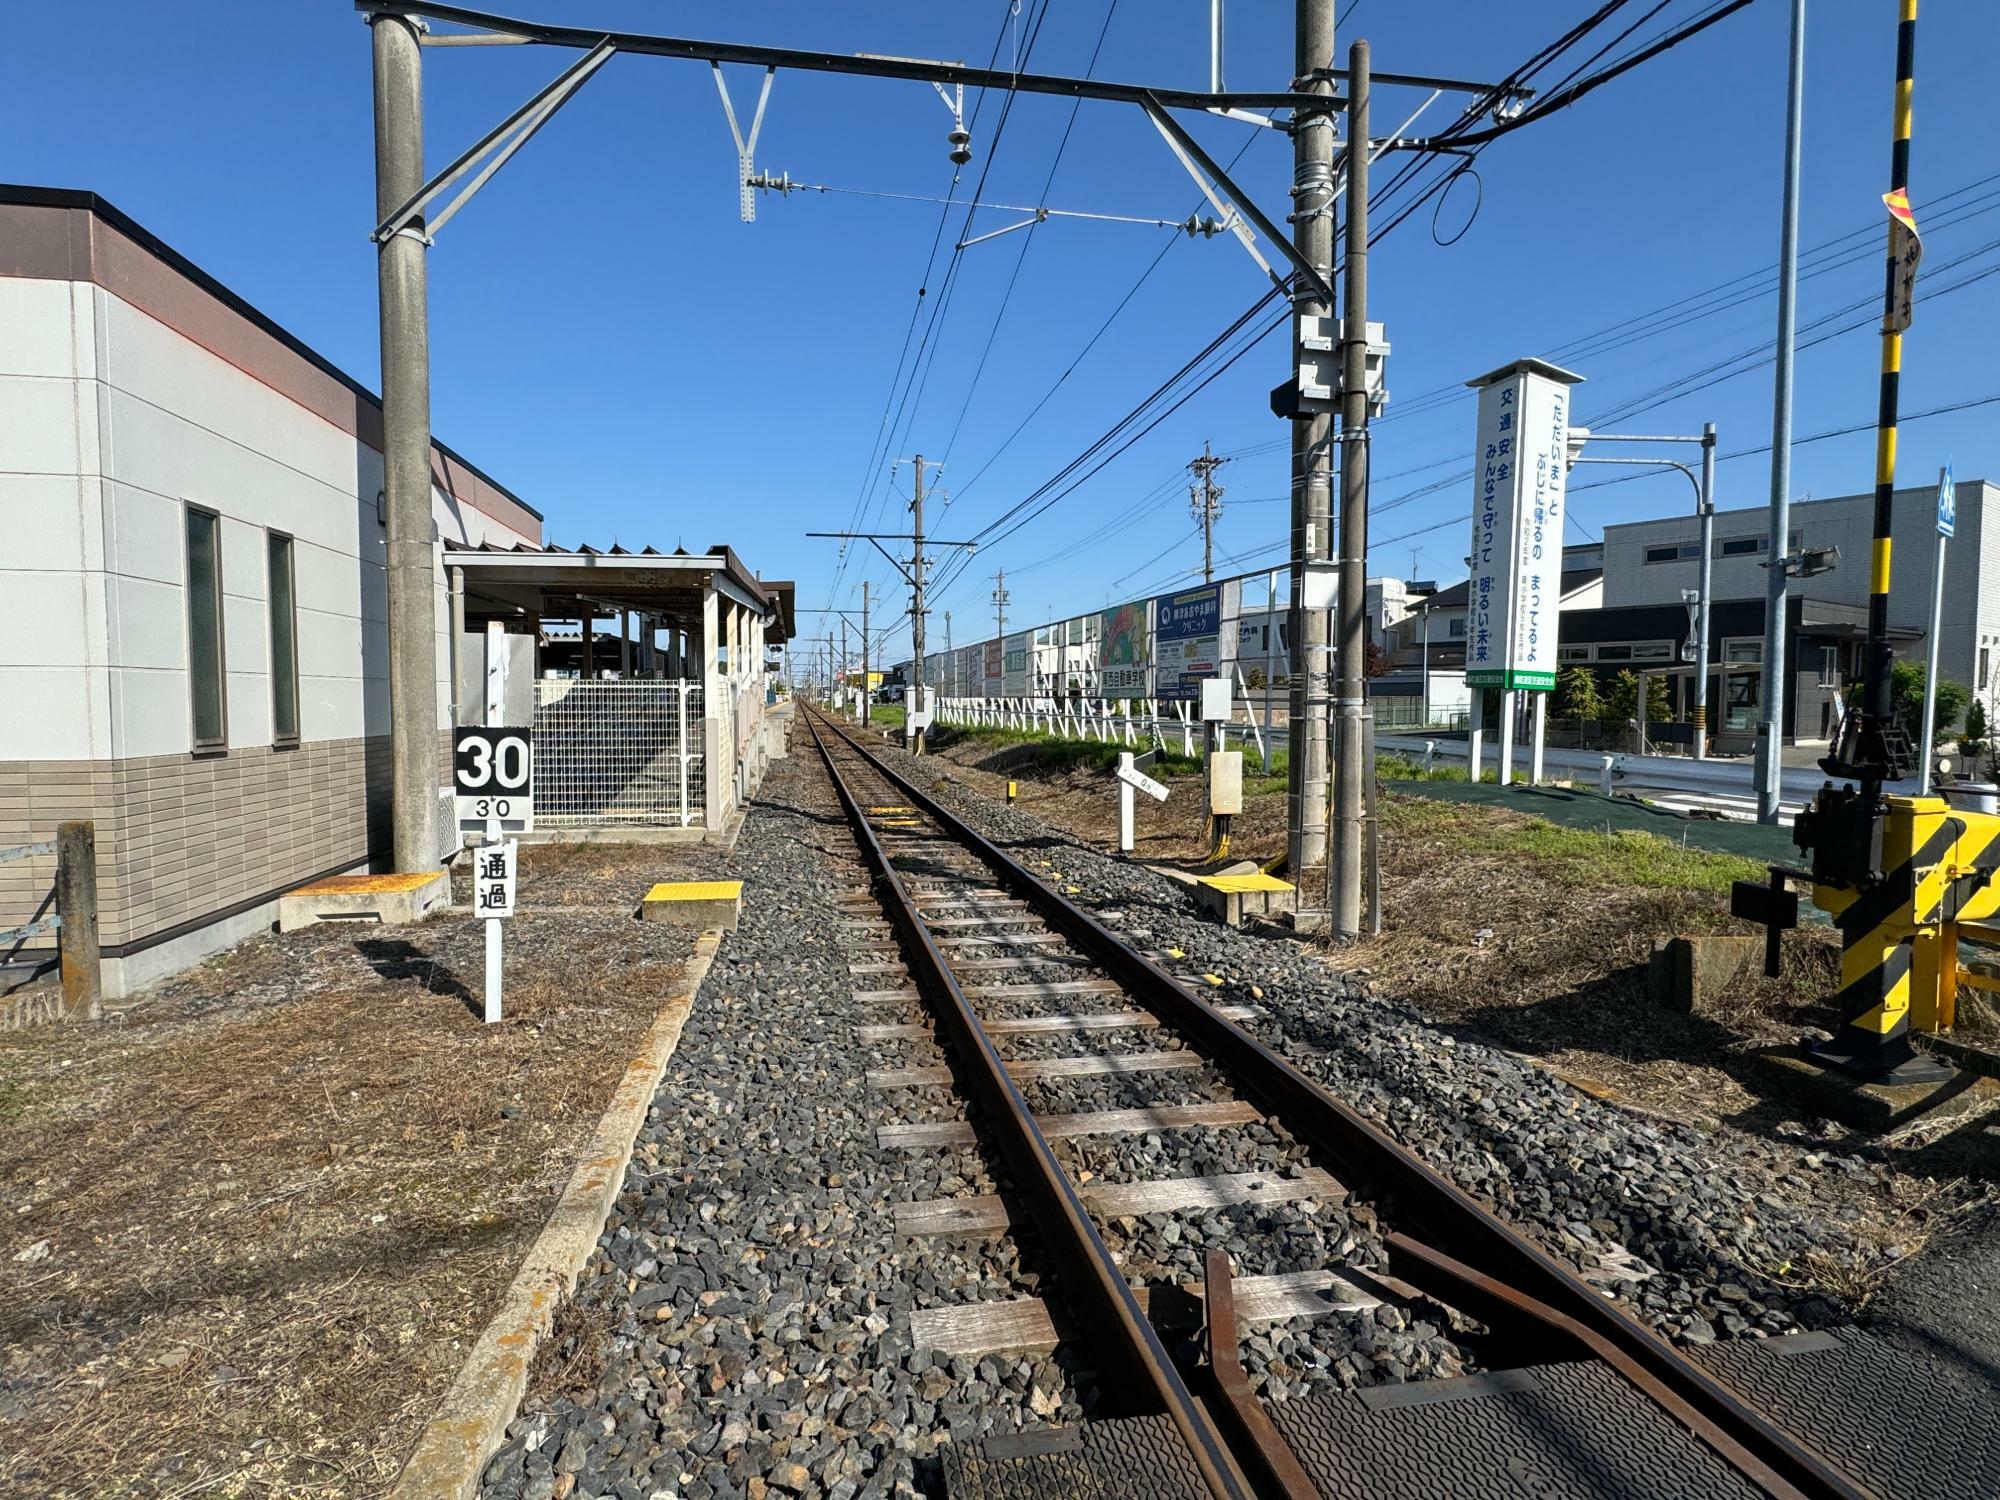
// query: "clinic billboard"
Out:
[1187,636]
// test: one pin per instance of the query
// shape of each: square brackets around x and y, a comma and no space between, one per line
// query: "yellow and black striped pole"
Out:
[1874,754]
[1891,922]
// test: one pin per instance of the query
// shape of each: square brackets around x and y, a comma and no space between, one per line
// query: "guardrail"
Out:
[74,920]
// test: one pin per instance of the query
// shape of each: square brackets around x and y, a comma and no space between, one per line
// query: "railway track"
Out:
[1569,1396]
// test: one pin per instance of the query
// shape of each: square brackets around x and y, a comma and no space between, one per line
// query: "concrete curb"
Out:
[472,1418]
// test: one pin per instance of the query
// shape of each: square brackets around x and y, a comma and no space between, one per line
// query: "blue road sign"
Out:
[1947,503]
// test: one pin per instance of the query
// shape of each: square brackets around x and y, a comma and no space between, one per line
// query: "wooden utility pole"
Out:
[866,681]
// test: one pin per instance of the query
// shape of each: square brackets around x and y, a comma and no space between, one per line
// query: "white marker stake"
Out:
[496,713]
[1125,803]
[1507,737]
[492,937]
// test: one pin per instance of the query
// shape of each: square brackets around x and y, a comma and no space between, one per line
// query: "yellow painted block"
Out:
[1214,979]
[696,890]
[694,903]
[879,810]
[1237,885]
[1175,953]
[365,885]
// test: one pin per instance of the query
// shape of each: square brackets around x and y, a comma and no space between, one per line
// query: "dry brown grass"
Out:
[277,1200]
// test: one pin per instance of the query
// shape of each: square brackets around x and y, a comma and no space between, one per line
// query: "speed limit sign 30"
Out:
[493,777]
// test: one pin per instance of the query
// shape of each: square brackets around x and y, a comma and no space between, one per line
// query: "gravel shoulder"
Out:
[256,1217]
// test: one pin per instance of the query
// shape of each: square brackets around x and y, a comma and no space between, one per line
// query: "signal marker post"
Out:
[1131,778]
[493,780]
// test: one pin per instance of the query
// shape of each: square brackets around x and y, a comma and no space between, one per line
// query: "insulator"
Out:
[961,145]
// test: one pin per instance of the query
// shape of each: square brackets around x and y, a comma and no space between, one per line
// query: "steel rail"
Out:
[1762,1452]
[1095,1286]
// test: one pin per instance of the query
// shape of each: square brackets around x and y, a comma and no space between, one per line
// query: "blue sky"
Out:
[613,343]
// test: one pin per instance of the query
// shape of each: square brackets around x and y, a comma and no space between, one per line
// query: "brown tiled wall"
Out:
[180,838]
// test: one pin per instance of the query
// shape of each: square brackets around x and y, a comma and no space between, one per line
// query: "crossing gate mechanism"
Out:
[1904,881]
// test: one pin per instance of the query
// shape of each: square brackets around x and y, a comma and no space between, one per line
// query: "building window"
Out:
[284,642]
[1984,652]
[1743,650]
[1614,653]
[1456,629]
[1653,651]
[1572,653]
[1673,552]
[1741,546]
[204,590]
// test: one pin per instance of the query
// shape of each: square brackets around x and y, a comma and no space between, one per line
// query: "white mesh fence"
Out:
[618,752]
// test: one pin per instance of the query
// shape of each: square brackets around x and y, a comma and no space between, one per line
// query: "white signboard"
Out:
[493,867]
[1519,472]
[1143,782]
[493,778]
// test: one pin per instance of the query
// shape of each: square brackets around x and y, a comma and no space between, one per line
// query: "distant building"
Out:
[1648,563]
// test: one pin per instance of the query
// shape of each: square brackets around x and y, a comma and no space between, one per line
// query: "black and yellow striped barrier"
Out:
[1899,935]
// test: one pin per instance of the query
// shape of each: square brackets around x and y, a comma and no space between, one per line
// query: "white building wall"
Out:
[111,424]
[53,618]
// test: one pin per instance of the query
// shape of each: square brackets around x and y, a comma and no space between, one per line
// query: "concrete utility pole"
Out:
[1705,574]
[1312,235]
[846,677]
[867,701]
[1351,759]
[1205,503]
[917,591]
[1000,597]
[406,447]
[1770,727]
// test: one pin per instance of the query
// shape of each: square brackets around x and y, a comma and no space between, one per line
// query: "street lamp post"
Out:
[1704,504]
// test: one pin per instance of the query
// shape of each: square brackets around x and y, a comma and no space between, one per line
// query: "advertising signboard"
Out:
[1187,634]
[1122,653]
[1016,680]
[1520,467]
[971,669]
[990,658]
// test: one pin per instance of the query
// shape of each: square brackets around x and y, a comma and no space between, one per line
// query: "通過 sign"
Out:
[493,867]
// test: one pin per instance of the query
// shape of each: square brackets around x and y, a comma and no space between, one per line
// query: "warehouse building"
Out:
[193,613]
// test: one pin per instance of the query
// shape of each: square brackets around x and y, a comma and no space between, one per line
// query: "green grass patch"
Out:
[14,1099]
[888,715]
[1572,856]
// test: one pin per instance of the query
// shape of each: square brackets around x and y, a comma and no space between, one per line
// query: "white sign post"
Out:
[1947,525]
[493,781]
[1131,778]
[1519,469]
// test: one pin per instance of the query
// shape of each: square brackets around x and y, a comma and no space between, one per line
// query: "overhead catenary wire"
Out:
[987,536]
[1035,504]
[879,450]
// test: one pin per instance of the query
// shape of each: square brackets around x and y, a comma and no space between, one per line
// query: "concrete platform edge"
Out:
[483,1397]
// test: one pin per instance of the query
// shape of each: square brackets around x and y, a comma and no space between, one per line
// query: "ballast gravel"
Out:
[1702,1236]
[751,1301]
[754,1297]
